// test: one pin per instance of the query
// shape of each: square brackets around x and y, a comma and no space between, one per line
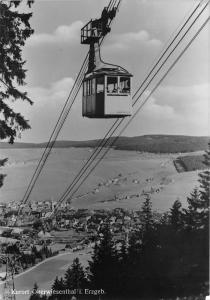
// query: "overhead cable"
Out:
[69,189]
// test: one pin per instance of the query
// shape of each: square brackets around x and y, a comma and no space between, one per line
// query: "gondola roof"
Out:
[107,69]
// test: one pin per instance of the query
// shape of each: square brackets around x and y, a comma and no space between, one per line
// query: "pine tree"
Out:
[2,176]
[146,213]
[176,215]
[197,213]
[103,271]
[134,247]
[34,251]
[58,285]
[148,256]
[165,219]
[123,263]
[74,277]
[34,294]
[14,30]
[142,254]
[133,272]
[123,255]
[204,179]
[147,231]
[192,215]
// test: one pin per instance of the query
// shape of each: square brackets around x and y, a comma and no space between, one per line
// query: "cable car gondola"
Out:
[106,87]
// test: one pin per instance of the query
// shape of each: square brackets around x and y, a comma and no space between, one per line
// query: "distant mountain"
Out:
[145,143]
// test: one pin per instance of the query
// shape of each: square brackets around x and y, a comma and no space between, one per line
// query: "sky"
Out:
[139,34]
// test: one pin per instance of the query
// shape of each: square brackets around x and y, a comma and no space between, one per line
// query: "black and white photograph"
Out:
[104,149]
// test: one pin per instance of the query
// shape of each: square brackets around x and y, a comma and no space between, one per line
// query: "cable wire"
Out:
[153,77]
[67,191]
[147,98]
[63,115]
[170,44]
[52,139]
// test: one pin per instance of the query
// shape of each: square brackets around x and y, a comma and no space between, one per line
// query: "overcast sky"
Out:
[142,27]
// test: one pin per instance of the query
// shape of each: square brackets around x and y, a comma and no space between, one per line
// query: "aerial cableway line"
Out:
[113,128]
[113,5]
[101,144]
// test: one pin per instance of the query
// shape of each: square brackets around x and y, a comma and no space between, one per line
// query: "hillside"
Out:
[120,180]
[145,143]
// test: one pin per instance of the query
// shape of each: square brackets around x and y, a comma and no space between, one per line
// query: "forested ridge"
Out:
[145,143]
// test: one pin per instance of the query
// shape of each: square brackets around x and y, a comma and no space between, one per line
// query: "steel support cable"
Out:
[46,153]
[113,4]
[100,144]
[104,139]
[48,148]
[170,44]
[147,98]
[51,142]
[90,160]
[109,7]
[178,43]
[110,4]
[52,139]
[92,169]
[76,182]
[54,134]
[86,166]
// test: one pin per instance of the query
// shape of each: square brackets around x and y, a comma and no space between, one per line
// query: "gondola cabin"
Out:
[107,94]
[106,87]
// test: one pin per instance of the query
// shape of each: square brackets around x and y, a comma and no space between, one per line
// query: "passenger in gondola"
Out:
[115,89]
